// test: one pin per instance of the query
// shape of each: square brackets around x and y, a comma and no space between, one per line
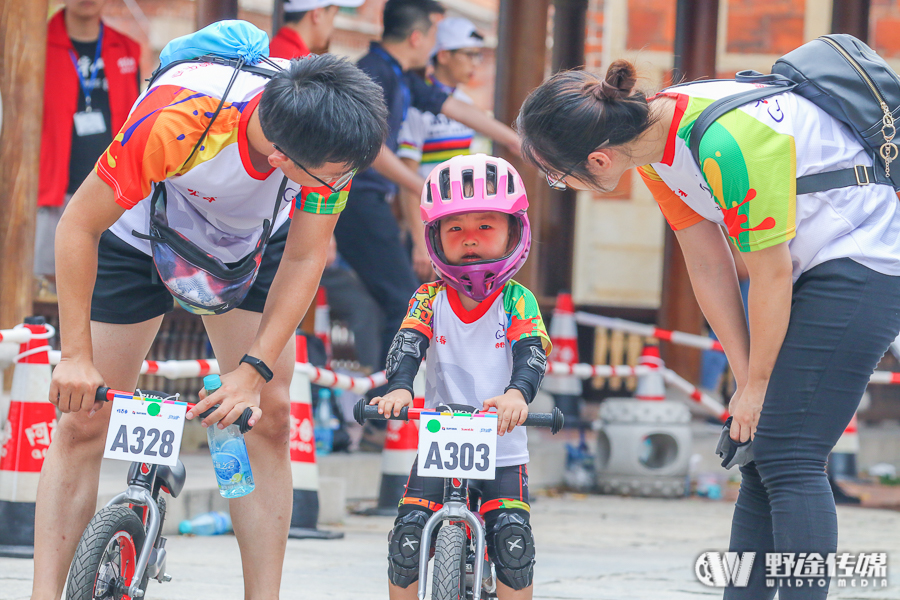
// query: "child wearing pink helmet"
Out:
[486,347]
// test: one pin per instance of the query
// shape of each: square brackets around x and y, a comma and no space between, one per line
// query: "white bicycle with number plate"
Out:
[457,447]
[122,547]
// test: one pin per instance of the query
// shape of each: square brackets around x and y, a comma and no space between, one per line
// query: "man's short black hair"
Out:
[323,109]
[402,17]
[294,16]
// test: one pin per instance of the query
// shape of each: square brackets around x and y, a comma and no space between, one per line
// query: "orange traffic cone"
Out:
[304,471]
[653,385]
[401,444]
[322,325]
[566,389]
[31,422]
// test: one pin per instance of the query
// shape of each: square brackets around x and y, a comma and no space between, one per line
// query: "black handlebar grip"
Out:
[554,420]
[363,411]
[243,422]
[100,394]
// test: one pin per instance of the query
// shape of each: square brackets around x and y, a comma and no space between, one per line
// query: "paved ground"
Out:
[589,547]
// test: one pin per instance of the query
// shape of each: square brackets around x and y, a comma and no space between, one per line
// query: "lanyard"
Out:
[441,85]
[401,79]
[88,88]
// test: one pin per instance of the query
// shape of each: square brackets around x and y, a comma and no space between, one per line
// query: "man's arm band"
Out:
[529,364]
[403,359]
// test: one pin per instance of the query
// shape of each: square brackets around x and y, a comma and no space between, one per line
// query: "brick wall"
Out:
[651,25]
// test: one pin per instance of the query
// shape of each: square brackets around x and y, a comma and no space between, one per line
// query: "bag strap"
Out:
[807,184]
[725,105]
[218,60]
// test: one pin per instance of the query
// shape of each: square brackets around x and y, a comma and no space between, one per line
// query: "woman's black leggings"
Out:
[843,318]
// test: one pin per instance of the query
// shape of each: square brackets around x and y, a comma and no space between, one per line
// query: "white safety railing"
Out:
[676,337]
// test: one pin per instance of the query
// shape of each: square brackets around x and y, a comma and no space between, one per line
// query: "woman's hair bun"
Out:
[619,82]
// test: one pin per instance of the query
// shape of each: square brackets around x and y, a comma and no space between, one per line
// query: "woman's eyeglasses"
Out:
[557,182]
[335,186]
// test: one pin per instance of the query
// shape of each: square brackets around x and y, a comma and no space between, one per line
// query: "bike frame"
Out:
[456,508]
[141,480]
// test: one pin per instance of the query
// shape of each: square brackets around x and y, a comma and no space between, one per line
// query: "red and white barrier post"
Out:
[304,470]
[31,422]
[651,386]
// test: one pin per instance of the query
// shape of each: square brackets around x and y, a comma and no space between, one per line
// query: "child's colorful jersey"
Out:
[218,200]
[751,159]
[469,358]
[431,139]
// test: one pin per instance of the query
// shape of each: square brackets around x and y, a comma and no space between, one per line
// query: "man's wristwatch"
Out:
[262,368]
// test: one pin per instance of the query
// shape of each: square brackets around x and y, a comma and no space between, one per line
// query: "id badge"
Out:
[89,123]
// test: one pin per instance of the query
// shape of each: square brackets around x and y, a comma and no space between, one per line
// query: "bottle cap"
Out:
[212,383]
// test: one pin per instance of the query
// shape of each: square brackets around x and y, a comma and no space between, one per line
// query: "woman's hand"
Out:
[392,402]
[511,408]
[745,407]
[74,383]
[240,390]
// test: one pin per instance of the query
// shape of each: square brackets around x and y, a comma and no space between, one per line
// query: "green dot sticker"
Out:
[153,409]
[433,426]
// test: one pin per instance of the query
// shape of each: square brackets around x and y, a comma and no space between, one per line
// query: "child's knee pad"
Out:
[404,545]
[511,547]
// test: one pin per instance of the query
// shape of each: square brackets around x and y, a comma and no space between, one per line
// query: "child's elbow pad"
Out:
[529,364]
[407,351]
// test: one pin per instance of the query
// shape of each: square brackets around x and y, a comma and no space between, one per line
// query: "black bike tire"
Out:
[449,579]
[100,530]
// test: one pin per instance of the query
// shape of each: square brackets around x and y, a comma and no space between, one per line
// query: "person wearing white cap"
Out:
[427,139]
[308,25]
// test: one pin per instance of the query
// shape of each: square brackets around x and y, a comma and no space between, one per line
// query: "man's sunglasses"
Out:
[335,186]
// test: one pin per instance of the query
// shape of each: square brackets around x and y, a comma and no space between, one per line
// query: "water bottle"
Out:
[229,453]
[211,523]
[324,429]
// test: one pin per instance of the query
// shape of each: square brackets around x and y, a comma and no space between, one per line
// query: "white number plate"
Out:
[459,446]
[145,431]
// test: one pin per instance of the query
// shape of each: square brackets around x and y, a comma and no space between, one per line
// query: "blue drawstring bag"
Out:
[227,39]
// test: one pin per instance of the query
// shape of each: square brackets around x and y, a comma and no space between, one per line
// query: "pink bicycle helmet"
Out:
[443,196]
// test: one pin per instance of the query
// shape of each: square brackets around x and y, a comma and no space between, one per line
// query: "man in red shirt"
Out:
[308,25]
[95,81]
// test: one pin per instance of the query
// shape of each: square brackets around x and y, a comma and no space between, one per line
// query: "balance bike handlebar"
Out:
[105,394]
[364,411]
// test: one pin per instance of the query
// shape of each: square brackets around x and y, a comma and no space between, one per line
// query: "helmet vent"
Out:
[444,183]
[490,180]
[510,183]
[468,183]
[428,198]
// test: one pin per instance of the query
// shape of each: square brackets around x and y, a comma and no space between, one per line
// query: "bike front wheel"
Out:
[106,557]
[449,580]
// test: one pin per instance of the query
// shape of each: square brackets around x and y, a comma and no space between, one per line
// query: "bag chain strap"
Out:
[888,150]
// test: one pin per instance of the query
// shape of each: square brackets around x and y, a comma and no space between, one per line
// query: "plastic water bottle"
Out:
[324,429]
[229,453]
[211,523]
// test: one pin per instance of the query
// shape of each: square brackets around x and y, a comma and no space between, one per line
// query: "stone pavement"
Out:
[589,547]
